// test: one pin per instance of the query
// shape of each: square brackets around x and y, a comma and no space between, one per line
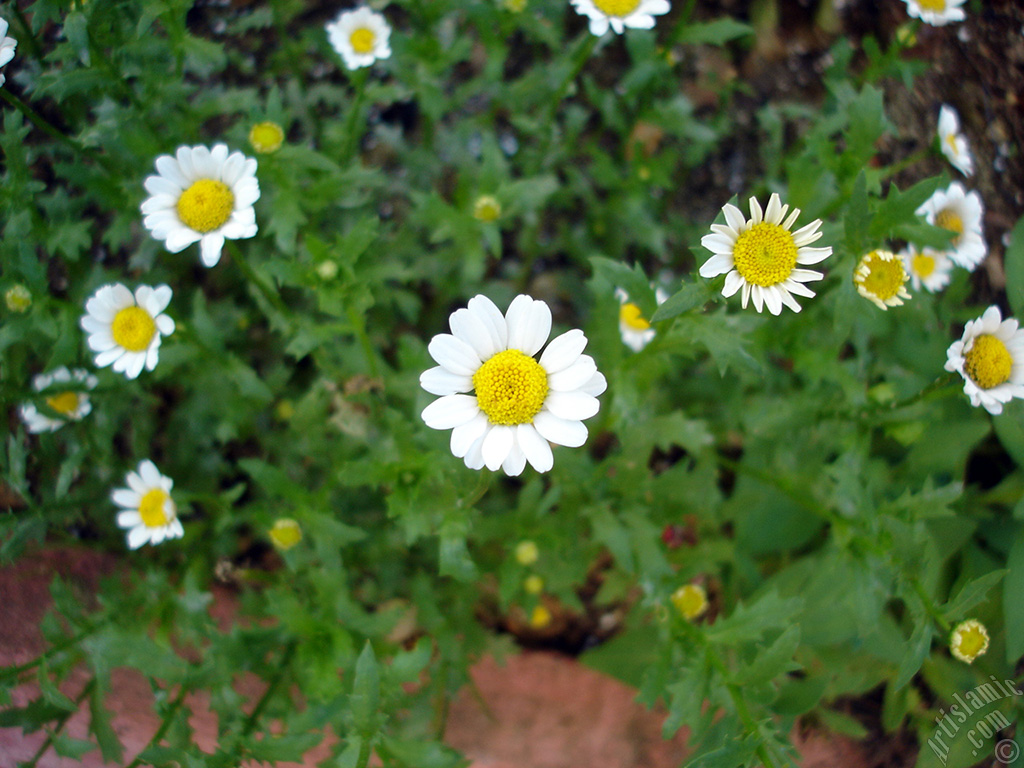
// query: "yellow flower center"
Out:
[133,329]
[629,316]
[885,275]
[690,600]
[266,137]
[933,5]
[487,208]
[947,218]
[65,403]
[951,140]
[923,265]
[156,508]
[988,362]
[206,205]
[510,388]
[971,640]
[619,8]
[286,533]
[765,254]
[540,617]
[362,40]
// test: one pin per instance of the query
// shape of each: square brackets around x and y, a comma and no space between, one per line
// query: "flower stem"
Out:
[359,329]
[359,78]
[164,726]
[282,670]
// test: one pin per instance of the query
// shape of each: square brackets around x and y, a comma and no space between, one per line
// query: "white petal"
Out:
[515,462]
[596,386]
[126,497]
[734,217]
[559,431]
[717,265]
[454,354]
[486,312]
[138,536]
[575,376]
[128,519]
[450,411]
[466,434]
[733,282]
[474,456]
[563,351]
[440,381]
[536,448]
[467,326]
[571,405]
[497,445]
[529,324]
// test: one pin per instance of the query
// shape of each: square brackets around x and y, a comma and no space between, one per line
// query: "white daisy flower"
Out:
[72,403]
[148,511]
[125,329]
[881,279]
[936,12]
[960,211]
[634,328]
[619,14]
[927,267]
[360,37]
[990,357]
[7,46]
[519,403]
[953,143]
[203,195]
[760,255]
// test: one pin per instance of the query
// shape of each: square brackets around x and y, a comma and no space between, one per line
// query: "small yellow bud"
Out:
[969,640]
[266,137]
[284,410]
[643,173]
[18,298]
[540,617]
[486,208]
[527,553]
[285,534]
[690,600]
[905,36]
[533,585]
[516,6]
[328,270]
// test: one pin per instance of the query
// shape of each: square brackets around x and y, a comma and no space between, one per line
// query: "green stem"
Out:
[358,323]
[273,297]
[364,752]
[913,159]
[359,78]
[282,669]
[740,703]
[482,486]
[164,726]
[61,722]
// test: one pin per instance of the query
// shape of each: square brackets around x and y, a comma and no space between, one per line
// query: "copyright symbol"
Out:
[1007,751]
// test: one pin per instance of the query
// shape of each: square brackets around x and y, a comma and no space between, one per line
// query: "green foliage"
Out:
[815,472]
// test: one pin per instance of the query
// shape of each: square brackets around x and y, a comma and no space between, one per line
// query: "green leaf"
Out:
[901,207]
[749,622]
[717,32]
[1013,606]
[972,593]
[857,218]
[687,298]
[283,748]
[632,280]
[773,661]
[365,699]
[102,730]
[66,746]
[916,652]
[1013,263]
[840,722]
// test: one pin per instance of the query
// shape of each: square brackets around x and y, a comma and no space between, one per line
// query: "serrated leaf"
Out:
[970,595]
[901,207]
[749,622]
[773,661]
[365,699]
[687,298]
[916,652]
[630,279]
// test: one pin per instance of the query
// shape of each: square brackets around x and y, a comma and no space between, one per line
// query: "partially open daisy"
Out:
[148,511]
[936,12]
[953,143]
[760,255]
[202,195]
[7,46]
[959,211]
[519,403]
[691,600]
[266,137]
[927,267]
[66,396]
[619,14]
[360,37]
[634,328]
[881,279]
[125,328]
[969,640]
[990,357]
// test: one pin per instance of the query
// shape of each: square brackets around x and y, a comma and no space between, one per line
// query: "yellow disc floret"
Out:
[206,205]
[988,362]
[631,317]
[949,219]
[880,276]
[64,403]
[133,329]
[765,254]
[156,508]
[486,208]
[510,388]
[619,8]
[969,640]
[286,533]
[690,600]
[938,6]
[923,265]
[266,137]
[362,40]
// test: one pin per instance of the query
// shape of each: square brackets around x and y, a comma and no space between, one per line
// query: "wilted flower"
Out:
[881,278]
